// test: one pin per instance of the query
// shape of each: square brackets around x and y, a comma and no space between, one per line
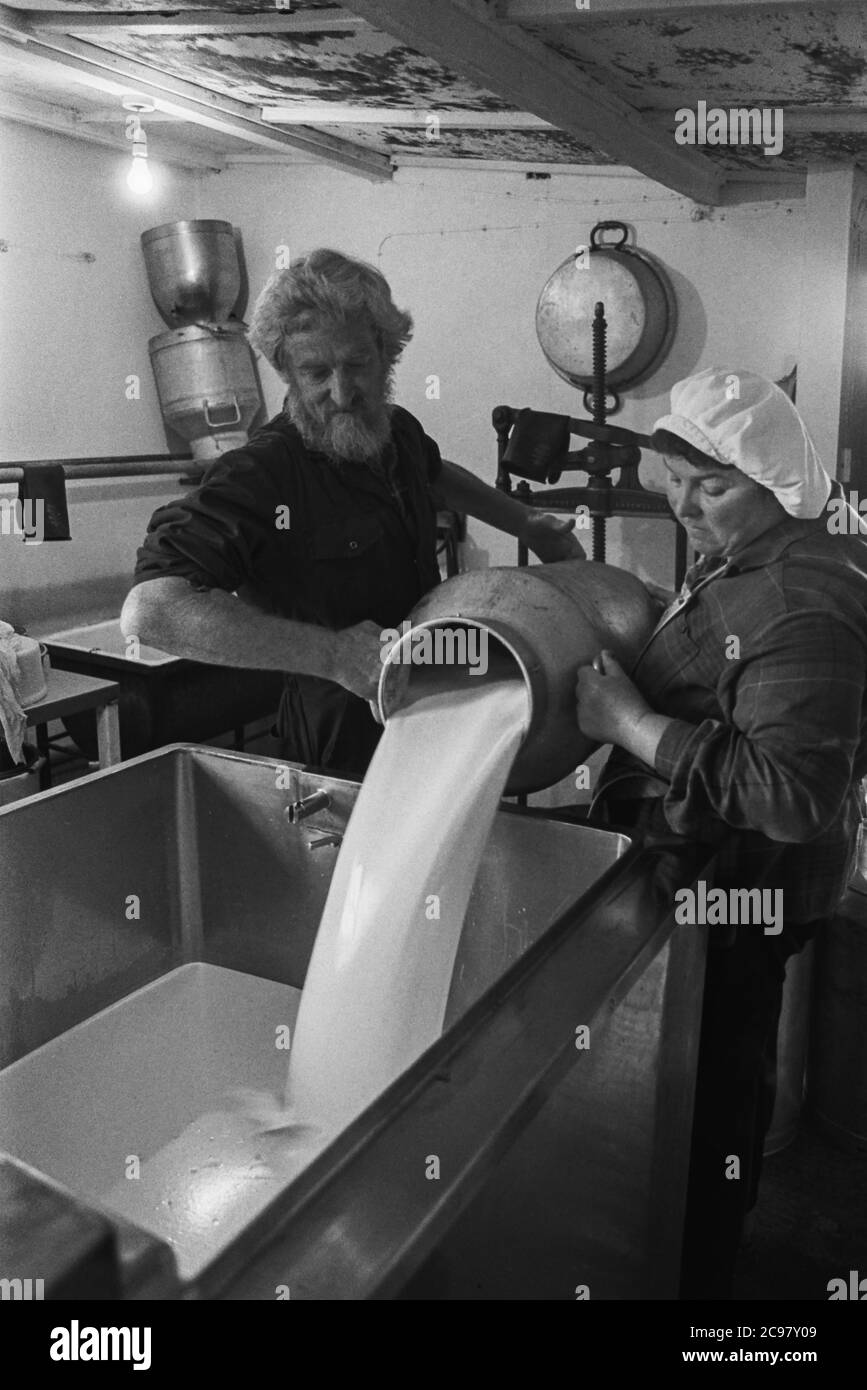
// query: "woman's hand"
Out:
[551,537]
[610,706]
[611,709]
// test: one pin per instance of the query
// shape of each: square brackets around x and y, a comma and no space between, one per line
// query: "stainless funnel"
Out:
[193,270]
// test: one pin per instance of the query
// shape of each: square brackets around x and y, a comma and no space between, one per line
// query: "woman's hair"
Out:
[664,442]
[326,286]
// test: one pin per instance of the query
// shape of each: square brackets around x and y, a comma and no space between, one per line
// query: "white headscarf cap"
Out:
[744,420]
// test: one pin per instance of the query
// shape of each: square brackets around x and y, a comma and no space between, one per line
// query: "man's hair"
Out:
[326,286]
[664,442]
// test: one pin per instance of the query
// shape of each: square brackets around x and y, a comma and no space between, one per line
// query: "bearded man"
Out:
[299,549]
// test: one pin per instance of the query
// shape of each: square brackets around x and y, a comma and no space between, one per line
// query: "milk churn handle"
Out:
[209,406]
[218,330]
[609,227]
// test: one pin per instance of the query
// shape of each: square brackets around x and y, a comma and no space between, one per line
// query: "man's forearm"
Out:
[462,491]
[213,626]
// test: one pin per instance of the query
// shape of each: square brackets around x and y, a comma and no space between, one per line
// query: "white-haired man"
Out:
[324,522]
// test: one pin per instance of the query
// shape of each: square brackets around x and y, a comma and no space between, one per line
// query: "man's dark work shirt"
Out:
[303,537]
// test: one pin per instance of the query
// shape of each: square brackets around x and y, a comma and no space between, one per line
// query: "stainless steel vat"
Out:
[163,699]
[193,270]
[543,621]
[567,927]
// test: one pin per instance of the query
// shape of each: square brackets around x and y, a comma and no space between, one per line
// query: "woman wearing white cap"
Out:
[743,726]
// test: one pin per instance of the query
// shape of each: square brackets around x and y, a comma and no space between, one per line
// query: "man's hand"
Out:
[358,663]
[610,706]
[551,537]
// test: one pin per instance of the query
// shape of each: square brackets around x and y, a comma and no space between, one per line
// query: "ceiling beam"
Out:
[186,21]
[809,120]
[108,115]
[107,72]
[333,113]
[751,186]
[571,12]
[65,121]
[817,120]
[14,22]
[531,77]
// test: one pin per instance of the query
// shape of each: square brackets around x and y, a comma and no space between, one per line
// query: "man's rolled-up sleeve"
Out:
[433,459]
[212,536]
[782,763]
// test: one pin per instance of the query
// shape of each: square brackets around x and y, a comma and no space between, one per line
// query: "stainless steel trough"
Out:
[561,1155]
[163,699]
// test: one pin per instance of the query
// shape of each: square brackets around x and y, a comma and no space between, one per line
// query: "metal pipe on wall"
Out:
[123,466]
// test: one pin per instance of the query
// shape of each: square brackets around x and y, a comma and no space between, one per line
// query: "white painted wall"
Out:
[59,584]
[824,292]
[466,251]
[72,332]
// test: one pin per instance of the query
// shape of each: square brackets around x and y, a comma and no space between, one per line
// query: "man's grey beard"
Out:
[347,435]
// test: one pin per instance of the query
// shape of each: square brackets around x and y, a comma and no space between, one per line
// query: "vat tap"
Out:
[330,838]
[307,806]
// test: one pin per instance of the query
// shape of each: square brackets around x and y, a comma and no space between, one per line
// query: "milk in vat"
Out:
[161,1135]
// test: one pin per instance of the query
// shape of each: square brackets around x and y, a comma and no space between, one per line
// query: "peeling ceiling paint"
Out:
[533,146]
[803,58]
[800,147]
[372,70]
[179,6]
[763,56]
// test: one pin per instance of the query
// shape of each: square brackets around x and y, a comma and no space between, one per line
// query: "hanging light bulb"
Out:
[140,179]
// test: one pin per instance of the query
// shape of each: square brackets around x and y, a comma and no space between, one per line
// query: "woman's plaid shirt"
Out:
[764,672]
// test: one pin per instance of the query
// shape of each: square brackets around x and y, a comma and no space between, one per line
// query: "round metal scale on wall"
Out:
[640,310]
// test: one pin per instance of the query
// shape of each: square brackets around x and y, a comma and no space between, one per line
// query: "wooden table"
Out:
[69,693]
